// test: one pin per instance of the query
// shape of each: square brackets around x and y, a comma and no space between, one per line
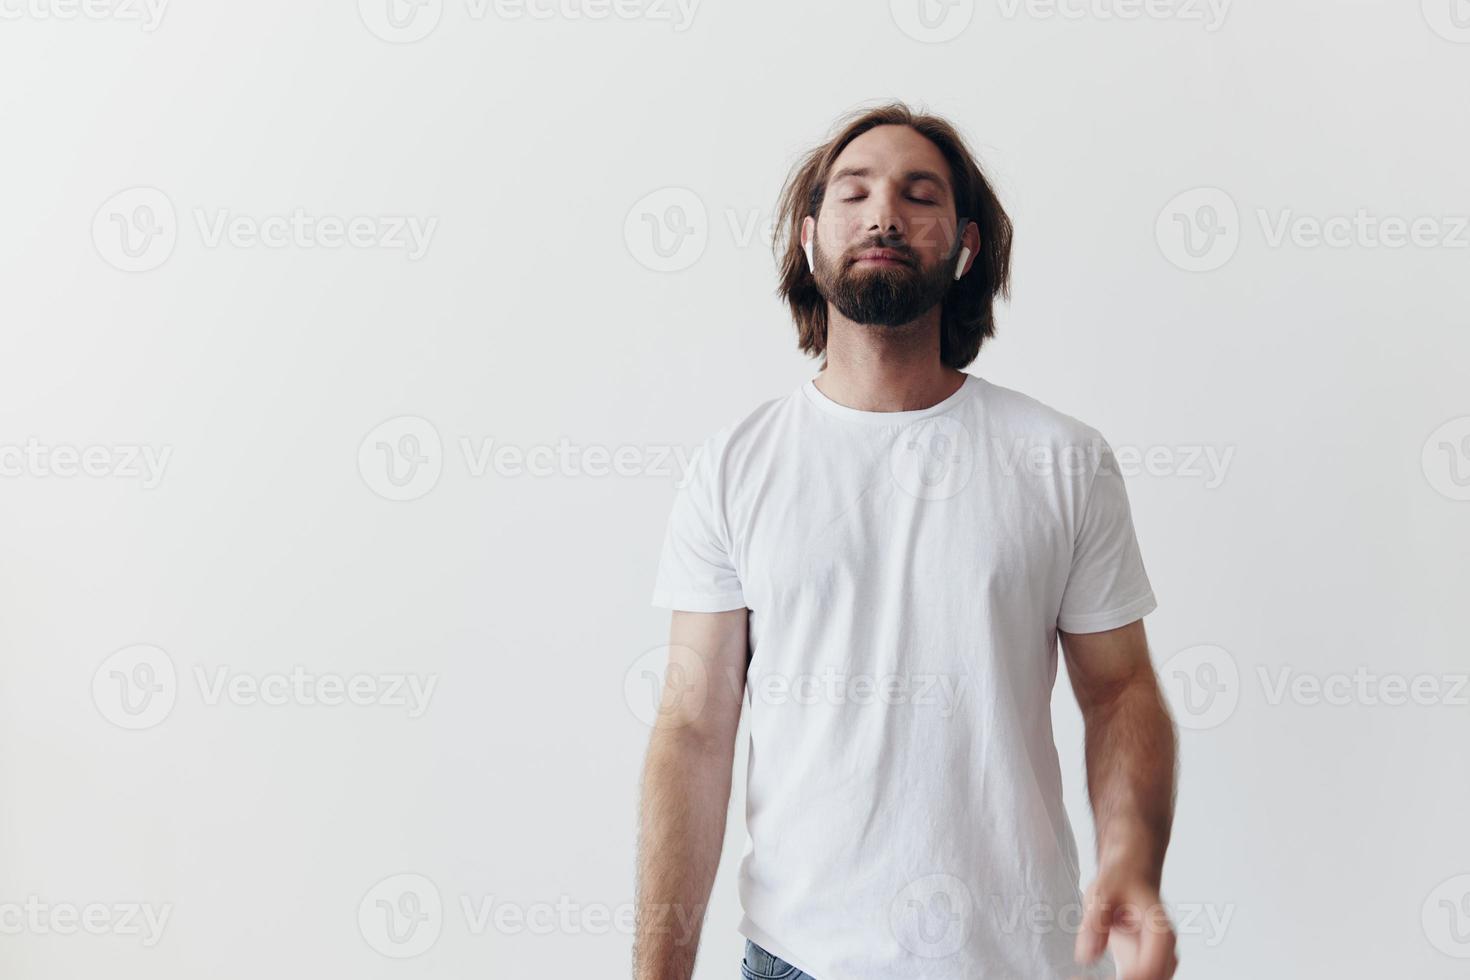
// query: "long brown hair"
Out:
[967,317]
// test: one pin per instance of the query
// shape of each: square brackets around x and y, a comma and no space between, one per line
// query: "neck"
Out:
[885,369]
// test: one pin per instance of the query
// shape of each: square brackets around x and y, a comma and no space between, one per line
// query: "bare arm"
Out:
[1131,763]
[686,789]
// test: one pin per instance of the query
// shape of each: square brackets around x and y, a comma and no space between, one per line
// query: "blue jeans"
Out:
[759,964]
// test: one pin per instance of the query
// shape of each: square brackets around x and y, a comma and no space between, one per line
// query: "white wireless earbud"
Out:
[810,262]
[959,267]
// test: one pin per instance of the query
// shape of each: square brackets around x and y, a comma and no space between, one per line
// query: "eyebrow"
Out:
[909,176]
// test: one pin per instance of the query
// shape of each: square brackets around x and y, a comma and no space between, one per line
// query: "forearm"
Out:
[686,793]
[1131,757]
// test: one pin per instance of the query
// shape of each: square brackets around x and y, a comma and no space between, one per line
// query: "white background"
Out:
[542,313]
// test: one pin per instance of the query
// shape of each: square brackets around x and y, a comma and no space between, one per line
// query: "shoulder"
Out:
[747,428]
[1022,427]
[744,432]
[1024,414]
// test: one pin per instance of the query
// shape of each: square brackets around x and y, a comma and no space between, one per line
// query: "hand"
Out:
[1124,906]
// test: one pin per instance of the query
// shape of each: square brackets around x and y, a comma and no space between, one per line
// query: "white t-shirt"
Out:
[906,574]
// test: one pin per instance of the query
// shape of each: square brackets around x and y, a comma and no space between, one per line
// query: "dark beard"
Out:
[884,295]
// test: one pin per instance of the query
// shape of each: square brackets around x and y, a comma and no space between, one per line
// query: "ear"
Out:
[808,236]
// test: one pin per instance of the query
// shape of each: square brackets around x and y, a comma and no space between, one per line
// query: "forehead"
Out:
[891,152]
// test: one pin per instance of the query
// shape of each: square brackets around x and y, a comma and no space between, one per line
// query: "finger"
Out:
[1092,938]
[1155,945]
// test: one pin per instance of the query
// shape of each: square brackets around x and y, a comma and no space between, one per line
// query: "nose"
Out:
[884,217]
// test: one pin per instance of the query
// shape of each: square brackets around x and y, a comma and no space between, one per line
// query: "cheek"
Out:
[929,234]
[837,230]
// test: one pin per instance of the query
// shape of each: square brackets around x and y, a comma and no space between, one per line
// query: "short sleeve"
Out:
[1107,586]
[695,570]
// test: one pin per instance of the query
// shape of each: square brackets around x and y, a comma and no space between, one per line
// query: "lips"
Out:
[881,256]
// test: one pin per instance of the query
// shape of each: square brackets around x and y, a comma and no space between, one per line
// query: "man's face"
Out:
[889,190]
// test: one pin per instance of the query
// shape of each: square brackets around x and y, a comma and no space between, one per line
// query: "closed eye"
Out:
[918,200]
